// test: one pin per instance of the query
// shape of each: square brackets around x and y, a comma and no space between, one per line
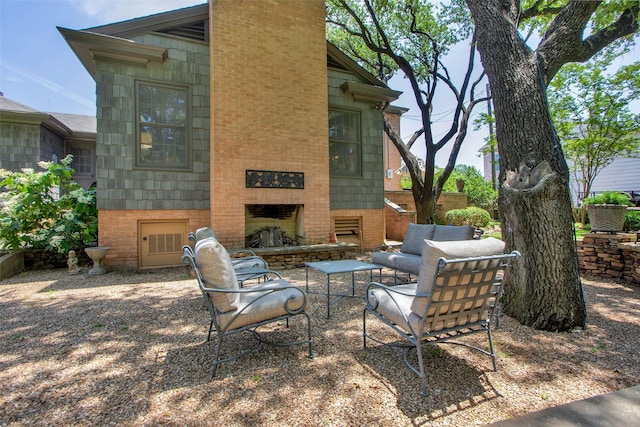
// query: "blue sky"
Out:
[37,67]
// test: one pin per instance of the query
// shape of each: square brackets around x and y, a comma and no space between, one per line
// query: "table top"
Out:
[342,266]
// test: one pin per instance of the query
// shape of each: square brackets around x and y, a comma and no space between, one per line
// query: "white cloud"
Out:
[109,11]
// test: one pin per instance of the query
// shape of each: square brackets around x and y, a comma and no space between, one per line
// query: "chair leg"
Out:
[310,356]
[492,350]
[364,328]
[210,329]
[216,360]
[423,379]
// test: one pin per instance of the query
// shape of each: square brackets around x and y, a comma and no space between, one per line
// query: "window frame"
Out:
[359,143]
[186,165]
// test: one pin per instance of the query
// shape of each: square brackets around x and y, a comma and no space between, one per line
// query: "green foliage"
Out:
[608,198]
[46,210]
[590,110]
[632,221]
[472,215]
[479,192]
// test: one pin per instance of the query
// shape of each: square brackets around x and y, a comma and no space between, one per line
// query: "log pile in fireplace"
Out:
[269,237]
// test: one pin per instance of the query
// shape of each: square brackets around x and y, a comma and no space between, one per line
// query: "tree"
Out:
[479,192]
[412,37]
[590,110]
[543,288]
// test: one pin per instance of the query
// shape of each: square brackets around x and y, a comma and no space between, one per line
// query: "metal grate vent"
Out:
[165,243]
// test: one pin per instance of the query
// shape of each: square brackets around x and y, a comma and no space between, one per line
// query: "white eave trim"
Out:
[88,46]
[369,93]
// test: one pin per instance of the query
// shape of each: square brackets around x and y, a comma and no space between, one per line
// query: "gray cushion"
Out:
[447,233]
[396,307]
[415,236]
[204,232]
[216,270]
[433,251]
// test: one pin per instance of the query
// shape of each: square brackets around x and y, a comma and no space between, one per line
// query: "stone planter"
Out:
[608,218]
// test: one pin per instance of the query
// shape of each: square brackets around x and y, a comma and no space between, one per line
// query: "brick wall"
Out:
[118,229]
[372,222]
[397,222]
[268,110]
[392,159]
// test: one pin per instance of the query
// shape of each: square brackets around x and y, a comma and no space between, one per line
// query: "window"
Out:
[162,134]
[344,143]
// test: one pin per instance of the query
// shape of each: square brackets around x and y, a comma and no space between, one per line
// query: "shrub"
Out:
[608,198]
[632,221]
[46,210]
[472,215]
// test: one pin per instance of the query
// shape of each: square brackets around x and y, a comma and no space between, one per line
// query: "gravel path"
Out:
[129,349]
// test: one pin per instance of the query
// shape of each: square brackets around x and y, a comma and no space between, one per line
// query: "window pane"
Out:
[162,124]
[344,143]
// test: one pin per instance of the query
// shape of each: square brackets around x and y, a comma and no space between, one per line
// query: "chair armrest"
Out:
[263,290]
[390,291]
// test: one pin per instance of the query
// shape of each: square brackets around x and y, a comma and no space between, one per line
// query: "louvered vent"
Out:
[165,243]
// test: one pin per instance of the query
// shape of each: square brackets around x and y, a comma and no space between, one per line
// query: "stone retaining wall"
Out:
[295,256]
[615,256]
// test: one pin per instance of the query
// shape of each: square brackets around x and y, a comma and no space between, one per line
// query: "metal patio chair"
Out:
[247,264]
[456,294]
[233,309]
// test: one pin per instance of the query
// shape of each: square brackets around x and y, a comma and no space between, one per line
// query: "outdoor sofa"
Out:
[408,259]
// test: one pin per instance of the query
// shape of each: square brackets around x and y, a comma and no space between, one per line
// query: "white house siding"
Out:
[623,174]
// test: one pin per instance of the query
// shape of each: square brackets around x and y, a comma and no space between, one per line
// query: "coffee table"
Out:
[341,266]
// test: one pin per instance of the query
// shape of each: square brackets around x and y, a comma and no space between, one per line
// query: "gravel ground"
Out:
[129,349]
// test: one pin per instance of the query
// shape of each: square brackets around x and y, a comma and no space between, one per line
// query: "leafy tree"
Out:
[543,288]
[479,192]
[413,37]
[590,109]
[46,210]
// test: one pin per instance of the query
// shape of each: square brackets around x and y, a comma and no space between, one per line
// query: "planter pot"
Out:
[609,218]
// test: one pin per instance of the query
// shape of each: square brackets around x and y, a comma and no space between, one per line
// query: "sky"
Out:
[39,69]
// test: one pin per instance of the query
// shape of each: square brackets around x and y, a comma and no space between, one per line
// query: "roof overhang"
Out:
[36,118]
[91,46]
[368,93]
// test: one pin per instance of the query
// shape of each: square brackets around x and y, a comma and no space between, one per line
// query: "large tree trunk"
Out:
[543,288]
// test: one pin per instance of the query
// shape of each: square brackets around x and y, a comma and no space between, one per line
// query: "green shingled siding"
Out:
[26,154]
[121,184]
[366,192]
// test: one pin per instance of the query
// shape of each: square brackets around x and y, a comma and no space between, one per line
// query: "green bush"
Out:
[632,221]
[472,215]
[608,198]
[46,210]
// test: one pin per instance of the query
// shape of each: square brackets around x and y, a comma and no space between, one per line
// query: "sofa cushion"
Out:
[257,306]
[434,250]
[415,236]
[216,270]
[447,233]
[395,306]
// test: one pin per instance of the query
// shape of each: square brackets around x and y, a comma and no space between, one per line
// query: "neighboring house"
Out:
[623,174]
[233,115]
[28,136]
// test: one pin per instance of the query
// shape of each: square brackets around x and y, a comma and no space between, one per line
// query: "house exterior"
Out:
[28,136]
[233,115]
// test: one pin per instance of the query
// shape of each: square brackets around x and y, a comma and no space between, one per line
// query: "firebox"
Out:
[272,225]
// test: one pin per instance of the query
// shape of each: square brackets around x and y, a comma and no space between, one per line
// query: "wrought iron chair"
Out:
[233,309]
[246,263]
[456,294]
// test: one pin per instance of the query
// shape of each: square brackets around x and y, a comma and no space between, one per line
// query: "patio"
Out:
[129,348]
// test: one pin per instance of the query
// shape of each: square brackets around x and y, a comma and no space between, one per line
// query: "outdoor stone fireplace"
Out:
[274,225]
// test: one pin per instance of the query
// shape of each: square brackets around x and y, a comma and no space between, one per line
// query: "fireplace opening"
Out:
[274,225]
